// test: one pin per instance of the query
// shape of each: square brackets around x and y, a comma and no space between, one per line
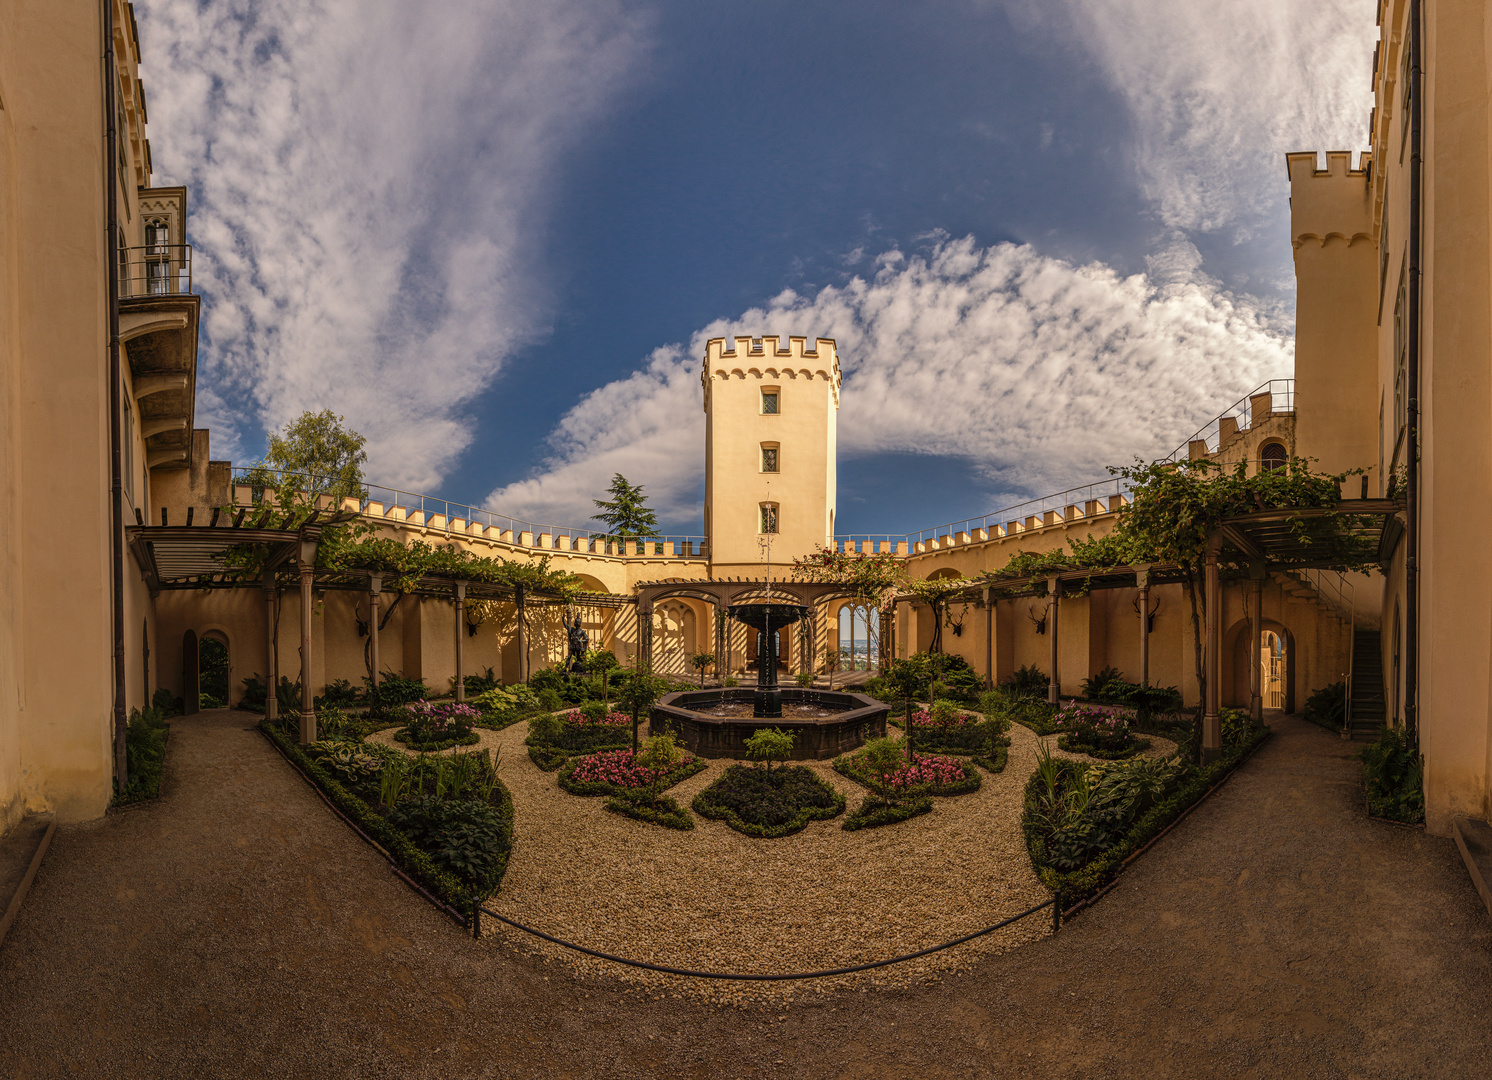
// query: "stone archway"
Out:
[1241,653]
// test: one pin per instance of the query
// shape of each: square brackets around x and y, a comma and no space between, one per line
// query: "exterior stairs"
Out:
[1366,709]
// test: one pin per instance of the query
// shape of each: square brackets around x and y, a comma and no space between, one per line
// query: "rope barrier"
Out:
[761,978]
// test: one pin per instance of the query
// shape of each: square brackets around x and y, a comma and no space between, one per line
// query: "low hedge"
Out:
[876,811]
[741,786]
[445,886]
[1135,746]
[996,760]
[845,766]
[645,804]
[498,721]
[590,788]
[1080,884]
[442,744]
[571,740]
[957,740]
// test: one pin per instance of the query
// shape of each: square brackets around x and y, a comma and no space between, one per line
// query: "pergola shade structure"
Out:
[1353,534]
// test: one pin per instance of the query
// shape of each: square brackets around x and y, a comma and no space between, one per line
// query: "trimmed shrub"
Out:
[614,771]
[876,811]
[926,774]
[768,804]
[645,804]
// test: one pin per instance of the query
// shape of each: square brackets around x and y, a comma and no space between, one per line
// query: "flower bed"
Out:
[876,811]
[768,804]
[431,726]
[613,771]
[925,774]
[555,739]
[1100,731]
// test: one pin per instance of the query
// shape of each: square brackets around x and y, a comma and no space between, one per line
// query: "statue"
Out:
[579,645]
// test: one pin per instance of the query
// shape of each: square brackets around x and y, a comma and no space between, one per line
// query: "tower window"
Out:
[769,517]
[769,401]
[769,459]
[1272,456]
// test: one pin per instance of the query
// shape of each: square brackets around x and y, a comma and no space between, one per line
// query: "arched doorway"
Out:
[1273,682]
[674,637]
[213,669]
[753,648]
[859,637]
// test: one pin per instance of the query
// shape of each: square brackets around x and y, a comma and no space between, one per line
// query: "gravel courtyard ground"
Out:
[237,929]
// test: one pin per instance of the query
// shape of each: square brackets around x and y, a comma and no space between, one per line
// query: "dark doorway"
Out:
[212,682]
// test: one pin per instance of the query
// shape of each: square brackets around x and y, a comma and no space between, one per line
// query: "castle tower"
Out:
[770,434]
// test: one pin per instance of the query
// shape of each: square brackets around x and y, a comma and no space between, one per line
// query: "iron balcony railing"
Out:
[1280,399]
[155,270]
[441,514]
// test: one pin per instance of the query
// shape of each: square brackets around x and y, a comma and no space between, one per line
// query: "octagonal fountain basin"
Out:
[717,723]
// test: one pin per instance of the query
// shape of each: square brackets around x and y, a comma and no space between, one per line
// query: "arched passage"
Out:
[675,637]
[213,670]
[1274,653]
[859,636]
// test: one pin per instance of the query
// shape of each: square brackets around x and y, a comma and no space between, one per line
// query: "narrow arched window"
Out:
[1272,456]
[769,517]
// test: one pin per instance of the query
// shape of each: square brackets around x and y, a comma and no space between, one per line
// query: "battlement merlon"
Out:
[1330,203]
[764,357]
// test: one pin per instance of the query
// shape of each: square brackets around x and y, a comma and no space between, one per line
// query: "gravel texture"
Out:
[237,929]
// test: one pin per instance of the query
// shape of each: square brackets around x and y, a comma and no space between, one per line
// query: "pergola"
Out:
[190,557]
[723,592]
[1242,548]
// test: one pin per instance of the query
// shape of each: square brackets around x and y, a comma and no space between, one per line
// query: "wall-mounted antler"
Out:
[1040,623]
[1149,615]
[362,623]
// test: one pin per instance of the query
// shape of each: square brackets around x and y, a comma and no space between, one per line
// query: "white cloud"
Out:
[1221,90]
[368,184]
[1038,371]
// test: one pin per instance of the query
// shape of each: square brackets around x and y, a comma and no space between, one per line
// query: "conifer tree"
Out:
[626,513]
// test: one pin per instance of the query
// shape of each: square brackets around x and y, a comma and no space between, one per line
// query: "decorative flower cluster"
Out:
[611,719]
[1107,719]
[928,769]
[924,718]
[429,722]
[620,768]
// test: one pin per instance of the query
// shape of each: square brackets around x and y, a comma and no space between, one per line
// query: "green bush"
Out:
[457,890]
[994,761]
[1099,686]
[392,691]
[338,694]
[769,745]
[768,804]
[861,768]
[475,685]
[1101,835]
[1132,745]
[645,804]
[1328,706]
[1008,706]
[875,811]
[1393,773]
[1028,681]
[464,837]
[145,756]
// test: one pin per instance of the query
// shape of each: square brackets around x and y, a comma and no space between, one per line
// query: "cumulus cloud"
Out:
[1220,90]
[1037,371]
[367,193]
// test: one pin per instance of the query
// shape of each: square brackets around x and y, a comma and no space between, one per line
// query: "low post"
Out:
[1212,732]
[307,708]
[1054,688]
[460,635]
[1056,912]
[271,701]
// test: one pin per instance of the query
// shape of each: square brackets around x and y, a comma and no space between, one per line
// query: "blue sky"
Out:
[1048,236]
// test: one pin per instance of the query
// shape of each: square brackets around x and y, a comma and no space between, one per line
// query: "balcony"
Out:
[158,314]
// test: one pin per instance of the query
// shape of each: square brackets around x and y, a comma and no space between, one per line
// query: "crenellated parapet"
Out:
[1329,205]
[764,358]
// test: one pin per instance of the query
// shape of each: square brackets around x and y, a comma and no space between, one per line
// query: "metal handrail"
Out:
[155,270]
[1281,392]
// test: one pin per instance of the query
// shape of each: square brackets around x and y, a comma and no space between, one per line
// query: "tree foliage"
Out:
[314,453]
[626,514]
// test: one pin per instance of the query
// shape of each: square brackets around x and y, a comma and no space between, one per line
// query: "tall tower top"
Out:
[770,450]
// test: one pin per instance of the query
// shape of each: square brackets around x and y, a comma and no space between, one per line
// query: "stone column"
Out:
[271,702]
[522,635]
[1212,732]
[1054,687]
[460,638]
[1142,579]
[1256,631]
[375,586]
[989,640]
[307,708]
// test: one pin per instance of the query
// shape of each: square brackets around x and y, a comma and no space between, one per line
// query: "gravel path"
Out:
[715,900]
[237,929]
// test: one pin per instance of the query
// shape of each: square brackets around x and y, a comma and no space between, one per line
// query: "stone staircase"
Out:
[1366,711]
